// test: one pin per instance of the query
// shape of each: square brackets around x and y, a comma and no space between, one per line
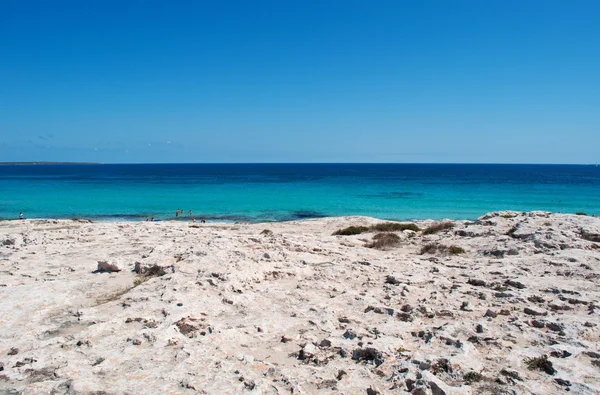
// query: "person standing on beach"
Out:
[177,213]
[21,216]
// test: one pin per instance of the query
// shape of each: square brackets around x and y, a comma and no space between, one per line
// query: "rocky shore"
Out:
[507,304]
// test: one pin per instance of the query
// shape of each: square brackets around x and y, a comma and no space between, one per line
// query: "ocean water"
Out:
[275,192]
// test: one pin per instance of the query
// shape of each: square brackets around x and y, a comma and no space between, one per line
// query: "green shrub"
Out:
[455,250]
[472,377]
[438,227]
[580,213]
[540,363]
[382,241]
[394,227]
[351,230]
[140,280]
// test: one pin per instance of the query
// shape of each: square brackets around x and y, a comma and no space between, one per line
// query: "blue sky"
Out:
[300,81]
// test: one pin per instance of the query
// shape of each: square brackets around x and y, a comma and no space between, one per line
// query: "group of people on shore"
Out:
[180,213]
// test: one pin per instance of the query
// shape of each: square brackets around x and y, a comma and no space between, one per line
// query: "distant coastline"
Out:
[48,163]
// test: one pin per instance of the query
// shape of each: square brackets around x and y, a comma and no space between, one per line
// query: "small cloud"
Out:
[126,151]
[149,144]
[42,137]
[95,149]
[168,141]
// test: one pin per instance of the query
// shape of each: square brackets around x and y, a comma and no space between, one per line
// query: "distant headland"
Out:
[49,163]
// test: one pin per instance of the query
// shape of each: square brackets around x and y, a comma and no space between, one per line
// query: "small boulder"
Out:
[112,265]
[529,311]
[309,351]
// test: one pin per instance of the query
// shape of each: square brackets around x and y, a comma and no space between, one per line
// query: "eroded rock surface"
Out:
[508,304]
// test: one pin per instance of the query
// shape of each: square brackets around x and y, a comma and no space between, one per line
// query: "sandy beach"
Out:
[507,304]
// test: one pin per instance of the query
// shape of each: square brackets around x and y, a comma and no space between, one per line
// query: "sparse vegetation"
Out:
[472,377]
[140,280]
[508,216]
[580,213]
[540,363]
[351,230]
[429,248]
[455,250]
[432,248]
[438,227]
[394,227]
[152,271]
[442,365]
[383,241]
[112,296]
[383,227]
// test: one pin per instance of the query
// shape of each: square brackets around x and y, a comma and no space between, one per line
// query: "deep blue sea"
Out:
[276,192]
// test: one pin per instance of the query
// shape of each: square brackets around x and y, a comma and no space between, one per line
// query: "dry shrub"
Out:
[438,227]
[430,248]
[394,227]
[351,230]
[383,241]
[455,250]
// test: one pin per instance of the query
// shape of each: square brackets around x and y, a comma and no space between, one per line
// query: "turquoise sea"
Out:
[275,192]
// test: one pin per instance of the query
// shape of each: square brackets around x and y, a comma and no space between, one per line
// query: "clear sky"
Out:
[300,81]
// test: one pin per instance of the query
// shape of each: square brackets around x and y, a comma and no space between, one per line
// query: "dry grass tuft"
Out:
[438,227]
[382,241]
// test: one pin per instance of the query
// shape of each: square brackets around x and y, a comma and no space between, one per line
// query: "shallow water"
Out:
[274,192]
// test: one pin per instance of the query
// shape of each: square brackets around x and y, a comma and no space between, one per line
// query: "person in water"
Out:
[190,213]
[203,220]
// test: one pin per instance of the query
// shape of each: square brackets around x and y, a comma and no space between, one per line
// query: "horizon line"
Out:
[68,163]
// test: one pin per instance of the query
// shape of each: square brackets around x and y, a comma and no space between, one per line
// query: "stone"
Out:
[538,324]
[529,311]
[372,391]
[553,326]
[515,284]
[424,365]
[490,314]
[562,382]
[325,343]
[154,267]
[368,354]
[350,334]
[309,350]
[109,266]
[476,282]
[435,389]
